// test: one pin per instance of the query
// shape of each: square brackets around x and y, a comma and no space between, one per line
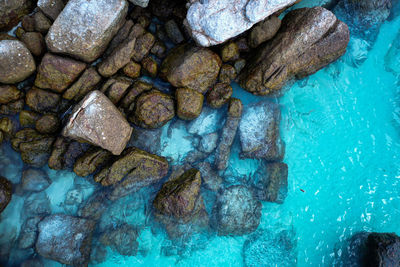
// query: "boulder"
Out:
[29,232]
[7,126]
[264,31]
[34,180]
[271,183]
[58,73]
[313,33]
[189,103]
[259,131]
[57,159]
[52,8]
[237,212]
[85,27]
[173,32]
[219,95]
[34,41]
[138,87]
[191,67]
[153,109]
[42,100]
[230,52]
[132,69]
[89,162]
[16,61]
[9,93]
[383,249]
[28,118]
[143,45]
[210,177]
[115,88]
[149,66]
[95,206]
[208,142]
[97,121]
[86,83]
[209,121]
[65,239]
[122,239]
[48,124]
[147,139]
[215,21]
[227,74]
[5,193]
[12,11]
[37,204]
[41,22]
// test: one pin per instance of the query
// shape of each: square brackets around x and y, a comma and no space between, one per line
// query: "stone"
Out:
[159,49]
[383,249]
[134,168]
[12,11]
[141,3]
[136,89]
[65,239]
[89,162]
[29,232]
[51,7]
[120,37]
[215,21]
[259,131]
[237,212]
[239,65]
[227,74]
[264,31]
[143,45]
[97,121]
[132,69]
[28,118]
[189,103]
[60,147]
[42,23]
[191,67]
[153,109]
[117,88]
[95,206]
[149,67]
[42,100]
[210,178]
[7,126]
[177,197]
[5,193]
[324,39]
[48,124]
[271,184]
[57,73]
[28,23]
[230,52]
[9,93]
[147,139]
[84,28]
[392,56]
[219,95]
[37,204]
[16,62]
[208,142]
[34,180]
[173,32]
[1,137]
[122,239]
[118,58]
[34,41]
[209,121]
[87,82]
[12,108]
[229,130]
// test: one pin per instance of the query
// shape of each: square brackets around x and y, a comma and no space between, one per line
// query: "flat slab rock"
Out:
[215,21]
[96,120]
[85,27]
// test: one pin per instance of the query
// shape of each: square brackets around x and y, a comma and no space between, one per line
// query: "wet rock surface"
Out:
[35,180]
[219,95]
[37,204]
[5,193]
[95,120]
[29,232]
[9,93]
[121,239]
[65,239]
[271,185]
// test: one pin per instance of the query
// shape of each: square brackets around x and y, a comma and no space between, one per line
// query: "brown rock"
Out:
[90,161]
[12,11]
[7,126]
[230,52]
[132,69]
[41,100]
[1,137]
[143,45]
[264,31]
[28,118]
[120,37]
[159,49]
[57,73]
[34,41]
[28,23]
[51,7]
[42,23]
[191,67]
[227,74]
[12,108]
[5,193]
[60,147]
[219,95]
[86,83]
[189,103]
[48,124]
[117,88]
[9,93]
[149,66]
[96,120]
[153,109]
[137,88]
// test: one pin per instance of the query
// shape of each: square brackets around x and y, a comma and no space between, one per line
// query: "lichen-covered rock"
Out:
[271,183]
[135,168]
[86,83]
[143,45]
[237,212]
[51,7]
[28,118]
[115,88]
[57,73]
[149,66]
[153,109]
[12,11]
[90,161]
[159,49]
[122,239]
[7,126]
[60,147]
[219,95]
[230,52]
[259,131]
[227,74]
[97,121]
[9,93]
[65,239]
[314,33]
[34,41]
[5,193]
[34,180]
[29,232]
[12,108]
[1,137]
[189,103]
[42,23]
[215,21]
[177,197]
[136,89]
[132,69]
[191,67]
[16,62]
[264,31]
[42,100]
[85,27]
[48,124]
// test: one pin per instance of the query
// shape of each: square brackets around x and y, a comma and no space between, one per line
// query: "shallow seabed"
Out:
[342,136]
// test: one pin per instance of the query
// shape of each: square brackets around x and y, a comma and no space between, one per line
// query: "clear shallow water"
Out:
[342,140]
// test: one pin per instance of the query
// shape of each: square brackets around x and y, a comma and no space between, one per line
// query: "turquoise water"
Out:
[342,136]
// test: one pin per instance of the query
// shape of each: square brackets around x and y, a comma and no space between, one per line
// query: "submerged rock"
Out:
[191,67]
[259,131]
[272,183]
[189,103]
[37,204]
[122,239]
[85,27]
[392,57]
[209,121]
[29,232]
[65,239]
[34,180]
[5,193]
[215,21]
[16,61]
[237,212]
[95,206]
[314,33]
[211,179]
[96,120]
[208,142]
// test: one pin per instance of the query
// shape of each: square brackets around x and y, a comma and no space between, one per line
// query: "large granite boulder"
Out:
[85,27]
[97,121]
[16,61]
[5,193]
[11,11]
[65,239]
[34,180]
[215,21]
[191,67]
[259,131]
[308,40]
[237,212]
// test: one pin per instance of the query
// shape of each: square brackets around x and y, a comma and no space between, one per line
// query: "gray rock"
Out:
[215,21]
[16,62]
[142,3]
[29,232]
[51,7]
[209,121]
[37,204]
[173,32]
[65,239]
[208,143]
[121,239]
[271,183]
[35,180]
[85,27]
